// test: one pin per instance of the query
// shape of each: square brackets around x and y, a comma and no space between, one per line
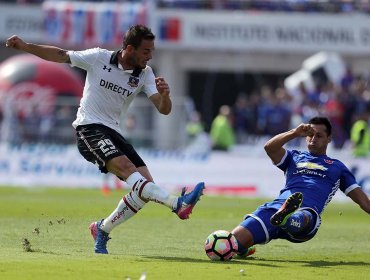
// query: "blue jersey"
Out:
[317,177]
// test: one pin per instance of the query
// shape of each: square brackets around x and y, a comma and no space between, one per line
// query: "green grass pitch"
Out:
[55,223]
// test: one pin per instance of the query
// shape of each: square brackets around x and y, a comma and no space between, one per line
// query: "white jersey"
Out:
[109,90]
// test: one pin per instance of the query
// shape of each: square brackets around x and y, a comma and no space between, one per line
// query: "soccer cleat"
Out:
[100,237]
[251,250]
[187,201]
[291,204]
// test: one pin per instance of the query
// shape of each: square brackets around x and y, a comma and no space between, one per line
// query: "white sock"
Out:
[150,191]
[127,207]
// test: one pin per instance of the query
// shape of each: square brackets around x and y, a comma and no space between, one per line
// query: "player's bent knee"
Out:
[310,228]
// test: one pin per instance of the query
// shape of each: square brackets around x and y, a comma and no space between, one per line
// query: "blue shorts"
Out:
[258,223]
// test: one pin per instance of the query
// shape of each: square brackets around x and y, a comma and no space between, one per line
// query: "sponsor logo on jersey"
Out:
[311,165]
[328,161]
[133,81]
[115,88]
[106,68]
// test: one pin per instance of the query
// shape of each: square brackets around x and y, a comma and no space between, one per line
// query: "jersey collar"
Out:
[114,60]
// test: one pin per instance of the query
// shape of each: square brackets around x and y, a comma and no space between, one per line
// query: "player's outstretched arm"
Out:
[46,52]
[358,196]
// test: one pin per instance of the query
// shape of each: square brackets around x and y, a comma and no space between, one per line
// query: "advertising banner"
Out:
[26,22]
[272,32]
[246,171]
[83,24]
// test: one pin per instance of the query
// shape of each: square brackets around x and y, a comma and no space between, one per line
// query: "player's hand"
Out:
[15,42]
[162,87]
[304,130]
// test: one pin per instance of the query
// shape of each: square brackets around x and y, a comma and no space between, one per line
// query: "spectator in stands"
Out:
[279,113]
[263,108]
[349,103]
[347,78]
[334,110]
[360,135]
[240,123]
[222,133]
[199,141]
[194,126]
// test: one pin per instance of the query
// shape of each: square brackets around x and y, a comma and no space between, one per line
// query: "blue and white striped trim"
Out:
[262,225]
[283,159]
[351,188]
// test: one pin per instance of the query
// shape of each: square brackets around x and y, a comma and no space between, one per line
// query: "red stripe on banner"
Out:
[90,30]
[173,29]
[67,24]
[128,205]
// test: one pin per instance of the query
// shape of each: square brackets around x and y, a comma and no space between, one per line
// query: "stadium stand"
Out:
[268,107]
[304,6]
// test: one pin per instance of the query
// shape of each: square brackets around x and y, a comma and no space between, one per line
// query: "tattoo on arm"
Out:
[63,54]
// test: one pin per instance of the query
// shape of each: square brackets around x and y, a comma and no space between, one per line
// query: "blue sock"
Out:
[300,222]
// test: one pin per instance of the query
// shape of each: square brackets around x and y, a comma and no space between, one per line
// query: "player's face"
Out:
[318,142]
[142,54]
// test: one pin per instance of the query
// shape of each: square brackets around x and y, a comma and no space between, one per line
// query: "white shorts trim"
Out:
[262,225]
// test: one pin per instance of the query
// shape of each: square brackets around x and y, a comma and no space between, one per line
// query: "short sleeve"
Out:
[84,59]
[284,163]
[347,181]
[149,83]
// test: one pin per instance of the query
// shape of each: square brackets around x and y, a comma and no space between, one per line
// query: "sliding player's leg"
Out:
[291,204]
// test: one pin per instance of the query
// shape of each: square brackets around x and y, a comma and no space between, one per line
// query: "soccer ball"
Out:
[221,245]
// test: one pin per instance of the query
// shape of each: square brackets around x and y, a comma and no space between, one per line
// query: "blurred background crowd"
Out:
[326,6]
[259,106]
[269,111]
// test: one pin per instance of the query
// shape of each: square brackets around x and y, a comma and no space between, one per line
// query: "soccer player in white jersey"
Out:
[113,80]
[312,179]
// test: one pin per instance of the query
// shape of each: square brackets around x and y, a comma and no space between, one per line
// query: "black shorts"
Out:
[98,143]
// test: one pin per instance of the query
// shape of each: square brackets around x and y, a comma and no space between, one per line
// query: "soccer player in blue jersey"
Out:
[312,179]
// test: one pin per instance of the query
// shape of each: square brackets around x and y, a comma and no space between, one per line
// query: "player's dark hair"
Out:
[322,120]
[135,34]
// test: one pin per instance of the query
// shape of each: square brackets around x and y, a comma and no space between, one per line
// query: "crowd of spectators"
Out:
[269,111]
[272,111]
